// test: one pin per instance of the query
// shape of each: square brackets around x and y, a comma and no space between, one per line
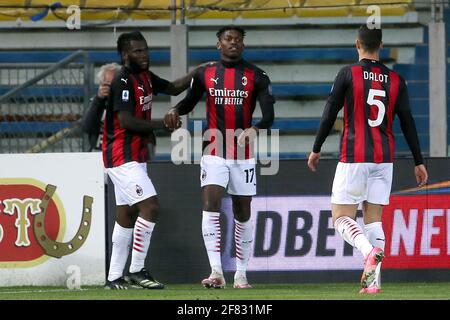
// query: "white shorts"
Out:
[357,182]
[237,176]
[131,183]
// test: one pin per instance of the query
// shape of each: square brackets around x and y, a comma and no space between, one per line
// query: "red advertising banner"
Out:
[417,229]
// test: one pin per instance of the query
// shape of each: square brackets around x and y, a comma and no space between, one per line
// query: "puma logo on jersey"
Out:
[214,80]
[141,87]
[124,80]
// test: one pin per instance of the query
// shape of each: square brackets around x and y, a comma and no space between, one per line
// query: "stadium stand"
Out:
[202,9]
[301,54]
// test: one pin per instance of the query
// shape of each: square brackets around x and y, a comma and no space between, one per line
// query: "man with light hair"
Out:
[92,122]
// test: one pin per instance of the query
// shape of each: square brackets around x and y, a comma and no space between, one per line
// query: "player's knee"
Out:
[150,212]
[211,205]
[242,205]
[154,208]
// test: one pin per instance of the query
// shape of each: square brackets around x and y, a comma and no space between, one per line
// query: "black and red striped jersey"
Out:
[133,92]
[371,95]
[232,89]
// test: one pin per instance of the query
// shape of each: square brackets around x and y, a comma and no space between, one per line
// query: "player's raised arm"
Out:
[195,93]
[177,86]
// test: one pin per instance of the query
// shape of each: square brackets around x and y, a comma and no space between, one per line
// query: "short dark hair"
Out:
[230,27]
[370,38]
[123,43]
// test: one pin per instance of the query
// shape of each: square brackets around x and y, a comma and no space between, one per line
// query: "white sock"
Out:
[375,234]
[243,236]
[121,242]
[211,238]
[141,241]
[351,232]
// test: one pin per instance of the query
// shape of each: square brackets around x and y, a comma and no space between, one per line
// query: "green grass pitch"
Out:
[323,291]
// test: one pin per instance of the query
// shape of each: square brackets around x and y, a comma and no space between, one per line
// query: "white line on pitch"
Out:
[39,291]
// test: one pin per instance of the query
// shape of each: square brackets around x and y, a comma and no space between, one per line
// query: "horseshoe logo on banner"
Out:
[58,249]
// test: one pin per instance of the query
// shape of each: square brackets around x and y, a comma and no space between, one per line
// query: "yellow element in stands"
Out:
[202,9]
[289,12]
[387,9]
[330,8]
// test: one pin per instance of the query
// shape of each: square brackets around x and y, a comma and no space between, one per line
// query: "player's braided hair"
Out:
[230,27]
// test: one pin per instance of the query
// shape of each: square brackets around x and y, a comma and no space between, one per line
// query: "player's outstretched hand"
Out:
[172,119]
[247,136]
[313,160]
[421,175]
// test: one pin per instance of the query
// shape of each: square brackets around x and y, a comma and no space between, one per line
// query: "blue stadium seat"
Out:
[199,55]
[48,91]
[413,72]
[305,125]
[301,89]
[401,146]
[419,107]
[33,127]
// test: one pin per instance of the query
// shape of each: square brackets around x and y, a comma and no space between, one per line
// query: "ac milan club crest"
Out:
[139,190]
[203,175]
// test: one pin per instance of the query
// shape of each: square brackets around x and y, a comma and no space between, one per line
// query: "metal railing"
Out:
[41,105]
